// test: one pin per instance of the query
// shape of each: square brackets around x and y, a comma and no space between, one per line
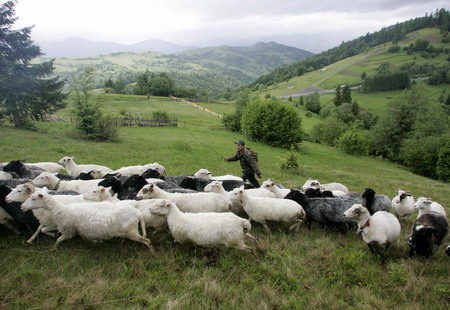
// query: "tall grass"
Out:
[313,268]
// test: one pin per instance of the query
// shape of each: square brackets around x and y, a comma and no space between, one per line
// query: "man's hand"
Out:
[225,159]
[259,175]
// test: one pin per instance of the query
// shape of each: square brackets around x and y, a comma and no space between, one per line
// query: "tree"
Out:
[313,102]
[337,96]
[91,120]
[25,91]
[162,85]
[346,95]
[272,123]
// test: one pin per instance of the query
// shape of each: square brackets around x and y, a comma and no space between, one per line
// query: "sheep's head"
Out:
[35,201]
[356,212]
[44,179]
[214,186]
[20,193]
[204,174]
[268,184]
[14,166]
[98,194]
[146,192]
[423,203]
[311,183]
[368,193]
[162,208]
[65,160]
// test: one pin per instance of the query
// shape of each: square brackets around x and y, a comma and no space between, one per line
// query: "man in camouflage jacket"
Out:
[248,163]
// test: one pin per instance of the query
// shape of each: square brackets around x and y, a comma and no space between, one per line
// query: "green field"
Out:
[313,268]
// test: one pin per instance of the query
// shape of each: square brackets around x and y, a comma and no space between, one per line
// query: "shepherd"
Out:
[249,163]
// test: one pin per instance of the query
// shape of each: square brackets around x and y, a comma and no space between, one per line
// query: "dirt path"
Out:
[197,106]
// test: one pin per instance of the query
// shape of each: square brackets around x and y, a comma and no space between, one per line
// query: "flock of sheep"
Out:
[99,203]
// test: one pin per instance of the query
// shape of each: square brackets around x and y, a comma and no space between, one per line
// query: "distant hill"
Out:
[213,69]
[79,47]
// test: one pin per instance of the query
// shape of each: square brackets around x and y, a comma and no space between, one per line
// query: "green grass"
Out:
[316,268]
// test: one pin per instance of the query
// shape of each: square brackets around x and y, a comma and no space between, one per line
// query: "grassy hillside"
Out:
[316,268]
[213,69]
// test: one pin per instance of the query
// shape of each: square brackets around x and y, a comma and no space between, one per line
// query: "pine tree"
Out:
[346,95]
[337,100]
[25,92]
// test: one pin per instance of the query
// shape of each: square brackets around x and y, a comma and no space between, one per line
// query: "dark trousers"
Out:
[247,175]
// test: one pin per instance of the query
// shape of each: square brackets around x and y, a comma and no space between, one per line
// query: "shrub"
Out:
[354,142]
[443,162]
[333,129]
[290,164]
[232,121]
[272,123]
[160,115]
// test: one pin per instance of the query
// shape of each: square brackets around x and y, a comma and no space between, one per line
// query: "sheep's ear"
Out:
[102,189]
[41,196]
[428,201]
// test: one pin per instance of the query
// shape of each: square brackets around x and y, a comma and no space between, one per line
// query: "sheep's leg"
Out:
[60,239]
[266,227]
[296,225]
[255,242]
[246,248]
[34,236]
[48,231]
[136,237]
[10,226]
[144,230]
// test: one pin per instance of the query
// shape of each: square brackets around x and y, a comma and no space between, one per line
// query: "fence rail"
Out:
[139,122]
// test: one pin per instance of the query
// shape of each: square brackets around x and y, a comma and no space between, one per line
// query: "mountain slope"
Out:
[79,47]
[213,69]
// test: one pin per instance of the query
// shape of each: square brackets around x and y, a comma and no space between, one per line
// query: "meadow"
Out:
[314,268]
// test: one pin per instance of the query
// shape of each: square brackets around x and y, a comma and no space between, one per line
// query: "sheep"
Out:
[208,229]
[375,202]
[194,202]
[381,228]
[329,186]
[74,170]
[153,220]
[427,234]
[262,209]
[217,187]
[325,211]
[317,192]
[22,170]
[47,166]
[426,205]
[278,192]
[8,221]
[121,220]
[50,181]
[403,204]
[116,186]
[140,169]
[99,193]
[199,184]
[206,175]
[14,182]
[5,175]
[24,220]
[46,225]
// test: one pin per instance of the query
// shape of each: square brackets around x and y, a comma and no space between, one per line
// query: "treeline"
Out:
[385,81]
[440,19]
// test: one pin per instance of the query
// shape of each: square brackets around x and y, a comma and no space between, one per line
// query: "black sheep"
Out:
[427,234]
[325,211]
[24,219]
[22,170]
[376,202]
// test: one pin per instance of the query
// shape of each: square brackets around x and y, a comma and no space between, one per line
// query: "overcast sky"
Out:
[314,25]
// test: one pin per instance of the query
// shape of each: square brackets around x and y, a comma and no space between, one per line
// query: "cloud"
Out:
[207,22]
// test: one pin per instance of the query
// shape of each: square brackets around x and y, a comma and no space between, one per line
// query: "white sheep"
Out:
[278,192]
[47,166]
[382,228]
[262,209]
[74,170]
[46,225]
[100,193]
[140,169]
[427,205]
[205,174]
[334,186]
[119,220]
[5,176]
[403,204]
[51,181]
[191,202]
[208,229]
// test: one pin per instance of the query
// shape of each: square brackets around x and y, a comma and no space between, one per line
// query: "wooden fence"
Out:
[144,122]
[139,122]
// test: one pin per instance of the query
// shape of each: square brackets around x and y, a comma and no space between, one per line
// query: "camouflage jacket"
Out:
[247,161]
